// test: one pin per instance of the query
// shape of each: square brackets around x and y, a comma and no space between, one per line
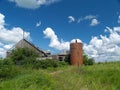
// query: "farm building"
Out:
[24,43]
[75,53]
[61,56]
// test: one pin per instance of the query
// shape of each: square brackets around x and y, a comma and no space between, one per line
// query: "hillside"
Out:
[97,77]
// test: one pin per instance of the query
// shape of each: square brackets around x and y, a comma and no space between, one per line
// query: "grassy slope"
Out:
[96,77]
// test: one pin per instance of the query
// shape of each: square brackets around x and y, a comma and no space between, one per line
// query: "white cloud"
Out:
[117,29]
[105,48]
[119,19]
[1,44]
[54,42]
[94,22]
[88,17]
[2,52]
[9,37]
[2,22]
[7,47]
[13,35]
[38,24]
[71,19]
[102,48]
[33,4]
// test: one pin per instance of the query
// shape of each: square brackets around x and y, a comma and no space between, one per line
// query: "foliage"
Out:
[48,63]
[22,56]
[27,58]
[96,77]
[7,61]
[87,60]
[8,71]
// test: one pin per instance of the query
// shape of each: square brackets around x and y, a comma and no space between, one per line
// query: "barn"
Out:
[24,43]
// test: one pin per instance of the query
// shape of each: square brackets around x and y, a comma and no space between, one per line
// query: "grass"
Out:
[97,77]
[34,80]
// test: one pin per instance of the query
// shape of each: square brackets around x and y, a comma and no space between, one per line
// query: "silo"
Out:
[76,56]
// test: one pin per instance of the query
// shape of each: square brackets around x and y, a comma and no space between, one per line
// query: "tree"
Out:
[87,60]
[23,56]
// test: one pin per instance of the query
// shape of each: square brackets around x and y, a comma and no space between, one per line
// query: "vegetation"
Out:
[49,63]
[54,75]
[87,60]
[29,79]
[95,77]
[22,56]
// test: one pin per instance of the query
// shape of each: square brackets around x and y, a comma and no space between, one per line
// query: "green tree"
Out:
[23,56]
[87,60]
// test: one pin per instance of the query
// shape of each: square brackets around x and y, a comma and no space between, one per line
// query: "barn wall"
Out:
[23,44]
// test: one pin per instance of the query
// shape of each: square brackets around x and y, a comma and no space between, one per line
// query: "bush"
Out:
[21,56]
[87,61]
[48,63]
[8,71]
[7,61]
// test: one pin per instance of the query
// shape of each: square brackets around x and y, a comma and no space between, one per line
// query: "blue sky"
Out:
[52,24]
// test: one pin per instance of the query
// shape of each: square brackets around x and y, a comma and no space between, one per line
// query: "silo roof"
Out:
[76,40]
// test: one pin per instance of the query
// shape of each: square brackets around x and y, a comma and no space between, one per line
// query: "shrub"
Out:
[8,71]
[87,61]
[7,61]
[48,63]
[21,56]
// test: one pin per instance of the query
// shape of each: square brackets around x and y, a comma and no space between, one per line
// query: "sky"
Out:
[53,24]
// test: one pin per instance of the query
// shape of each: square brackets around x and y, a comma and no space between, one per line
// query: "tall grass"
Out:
[104,76]
[35,80]
[96,77]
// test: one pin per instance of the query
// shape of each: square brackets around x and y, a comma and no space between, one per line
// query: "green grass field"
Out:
[96,77]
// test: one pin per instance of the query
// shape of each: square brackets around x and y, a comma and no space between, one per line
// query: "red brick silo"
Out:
[76,56]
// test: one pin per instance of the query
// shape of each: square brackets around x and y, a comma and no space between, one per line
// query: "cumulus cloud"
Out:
[38,24]
[2,52]
[54,42]
[71,19]
[94,22]
[8,38]
[33,4]
[2,22]
[104,48]
[13,35]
